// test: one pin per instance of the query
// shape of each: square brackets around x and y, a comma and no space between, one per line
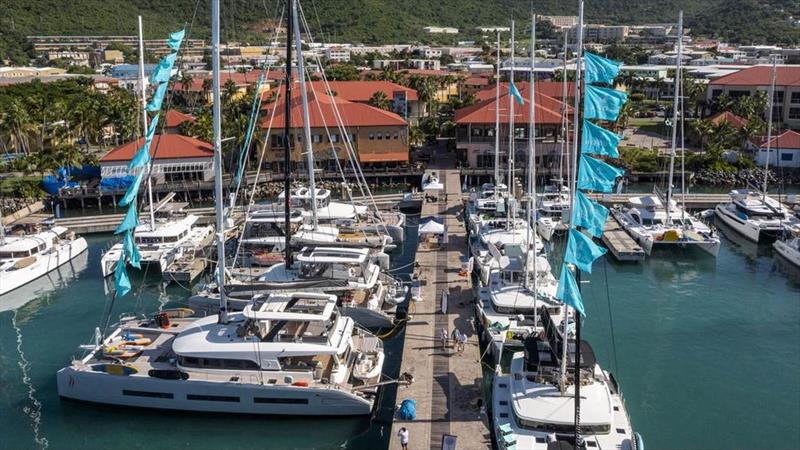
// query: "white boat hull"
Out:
[61,254]
[744,227]
[791,254]
[246,396]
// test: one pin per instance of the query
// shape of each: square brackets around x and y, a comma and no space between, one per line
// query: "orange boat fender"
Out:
[300,383]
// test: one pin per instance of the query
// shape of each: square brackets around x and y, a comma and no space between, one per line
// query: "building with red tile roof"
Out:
[175,157]
[378,136]
[174,119]
[751,80]
[732,119]
[784,150]
[554,89]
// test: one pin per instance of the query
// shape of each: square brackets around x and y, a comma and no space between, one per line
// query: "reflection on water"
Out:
[40,287]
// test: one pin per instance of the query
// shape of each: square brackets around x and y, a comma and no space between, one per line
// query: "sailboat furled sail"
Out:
[139,165]
[593,174]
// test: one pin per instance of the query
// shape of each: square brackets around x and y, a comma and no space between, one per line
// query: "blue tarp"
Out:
[408,410]
[52,184]
[116,184]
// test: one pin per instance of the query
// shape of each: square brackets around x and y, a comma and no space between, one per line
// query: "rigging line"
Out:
[610,316]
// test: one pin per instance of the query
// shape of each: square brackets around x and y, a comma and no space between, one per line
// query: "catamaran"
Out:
[26,257]
[658,221]
[789,248]
[755,215]
[552,208]
[285,354]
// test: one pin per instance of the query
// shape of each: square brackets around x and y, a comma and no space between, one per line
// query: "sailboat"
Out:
[169,232]
[518,282]
[554,394]
[755,215]
[657,220]
[287,354]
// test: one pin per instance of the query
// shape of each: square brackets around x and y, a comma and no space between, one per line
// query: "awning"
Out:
[432,226]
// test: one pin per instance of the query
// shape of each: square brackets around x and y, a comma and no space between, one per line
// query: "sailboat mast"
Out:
[769,127]
[531,218]
[497,123]
[143,87]
[2,228]
[564,120]
[287,139]
[676,100]
[217,128]
[510,135]
[312,186]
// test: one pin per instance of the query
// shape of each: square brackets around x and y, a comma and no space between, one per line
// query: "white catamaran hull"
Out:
[45,263]
[244,396]
[747,228]
[789,252]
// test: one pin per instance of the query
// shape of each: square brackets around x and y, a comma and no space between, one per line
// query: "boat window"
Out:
[297,363]
[42,247]
[6,255]
[34,250]
[146,394]
[212,398]
[604,428]
[285,401]
[215,363]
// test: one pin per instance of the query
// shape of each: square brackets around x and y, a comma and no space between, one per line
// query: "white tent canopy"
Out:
[431,226]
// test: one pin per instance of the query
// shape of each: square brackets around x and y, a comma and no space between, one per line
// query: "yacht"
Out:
[365,293]
[552,212]
[485,205]
[530,410]
[756,216]
[495,241]
[30,255]
[646,220]
[789,248]
[290,354]
[174,233]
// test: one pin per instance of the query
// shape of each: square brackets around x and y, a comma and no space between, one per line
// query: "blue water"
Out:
[707,352]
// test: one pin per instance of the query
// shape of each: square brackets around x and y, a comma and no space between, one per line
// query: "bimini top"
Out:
[166,228]
[333,255]
[646,201]
[305,194]
[294,307]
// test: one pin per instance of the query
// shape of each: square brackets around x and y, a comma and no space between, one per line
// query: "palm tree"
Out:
[379,100]
[208,84]
[229,90]
[186,88]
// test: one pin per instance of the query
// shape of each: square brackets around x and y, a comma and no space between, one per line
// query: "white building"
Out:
[493,29]
[441,30]
[784,150]
[337,54]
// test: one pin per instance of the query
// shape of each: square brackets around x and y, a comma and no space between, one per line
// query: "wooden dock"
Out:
[447,386]
[620,243]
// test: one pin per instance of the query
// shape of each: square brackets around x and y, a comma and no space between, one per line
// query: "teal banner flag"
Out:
[131,251]
[589,214]
[599,69]
[175,39]
[568,291]
[602,103]
[599,141]
[130,222]
[512,89]
[122,284]
[163,71]
[130,195]
[582,251]
[157,98]
[142,157]
[595,175]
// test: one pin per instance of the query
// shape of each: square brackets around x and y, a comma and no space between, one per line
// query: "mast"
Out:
[2,228]
[675,101]
[532,167]
[312,186]
[287,139]
[564,121]
[217,125]
[143,87]
[769,127]
[497,122]
[510,135]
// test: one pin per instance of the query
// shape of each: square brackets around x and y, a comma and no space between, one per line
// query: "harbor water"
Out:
[707,353]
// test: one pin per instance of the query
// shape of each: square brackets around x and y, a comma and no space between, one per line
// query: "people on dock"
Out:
[462,342]
[443,337]
[403,435]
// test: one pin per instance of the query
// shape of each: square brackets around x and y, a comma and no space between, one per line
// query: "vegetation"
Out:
[374,21]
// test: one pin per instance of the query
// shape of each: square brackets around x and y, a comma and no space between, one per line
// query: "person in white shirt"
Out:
[403,434]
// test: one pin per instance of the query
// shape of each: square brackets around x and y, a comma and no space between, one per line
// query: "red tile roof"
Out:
[760,76]
[176,118]
[548,111]
[167,146]
[321,111]
[787,140]
[727,116]
[549,88]
[361,91]
[242,79]
[477,81]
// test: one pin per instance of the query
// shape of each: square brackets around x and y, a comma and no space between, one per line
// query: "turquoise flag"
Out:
[163,71]
[157,98]
[512,89]
[595,175]
[599,69]
[130,195]
[122,284]
[130,222]
[599,141]
[589,214]
[568,291]
[602,103]
[175,39]
[142,157]
[582,251]
[131,251]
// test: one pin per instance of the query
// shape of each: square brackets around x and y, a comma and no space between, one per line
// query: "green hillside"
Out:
[373,21]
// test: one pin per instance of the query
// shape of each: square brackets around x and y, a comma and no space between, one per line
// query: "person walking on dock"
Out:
[461,342]
[443,337]
[403,435]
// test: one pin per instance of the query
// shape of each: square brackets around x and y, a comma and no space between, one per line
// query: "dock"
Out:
[620,243]
[447,386]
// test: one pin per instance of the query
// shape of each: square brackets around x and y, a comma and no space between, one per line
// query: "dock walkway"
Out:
[620,243]
[447,386]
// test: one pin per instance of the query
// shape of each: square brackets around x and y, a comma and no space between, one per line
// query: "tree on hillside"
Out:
[342,72]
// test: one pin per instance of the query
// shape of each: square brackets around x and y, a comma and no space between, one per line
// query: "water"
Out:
[707,353]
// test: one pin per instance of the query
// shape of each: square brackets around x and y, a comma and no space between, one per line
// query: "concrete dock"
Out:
[620,243]
[447,386]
